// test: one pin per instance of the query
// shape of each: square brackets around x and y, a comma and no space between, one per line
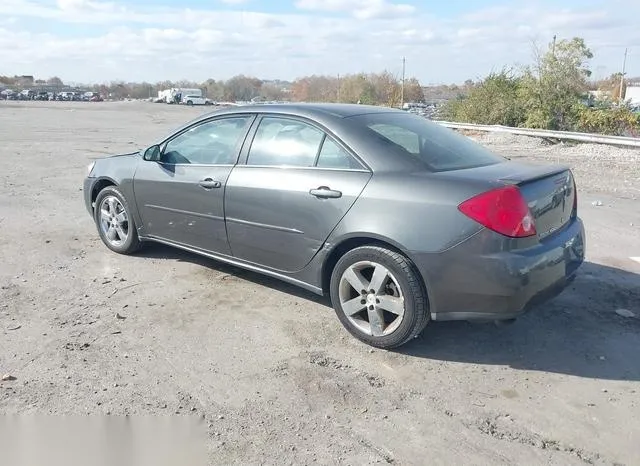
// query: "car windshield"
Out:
[431,145]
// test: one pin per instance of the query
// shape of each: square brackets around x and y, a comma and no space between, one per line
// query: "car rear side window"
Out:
[435,147]
[334,156]
[285,142]
[399,135]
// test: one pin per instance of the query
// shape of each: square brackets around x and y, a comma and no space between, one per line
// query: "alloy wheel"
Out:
[371,298]
[114,221]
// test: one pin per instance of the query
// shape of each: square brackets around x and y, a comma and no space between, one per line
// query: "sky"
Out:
[95,41]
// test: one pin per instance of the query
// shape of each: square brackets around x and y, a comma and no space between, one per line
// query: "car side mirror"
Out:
[152,153]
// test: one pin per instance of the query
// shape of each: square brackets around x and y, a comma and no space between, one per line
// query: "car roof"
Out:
[311,110]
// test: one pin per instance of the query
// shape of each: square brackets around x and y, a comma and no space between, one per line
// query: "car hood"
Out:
[127,154]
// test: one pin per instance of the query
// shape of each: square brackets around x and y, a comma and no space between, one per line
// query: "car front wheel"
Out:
[379,297]
[116,227]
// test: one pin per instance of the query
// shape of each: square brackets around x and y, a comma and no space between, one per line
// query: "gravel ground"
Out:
[266,368]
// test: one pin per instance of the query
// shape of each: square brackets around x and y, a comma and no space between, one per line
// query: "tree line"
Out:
[367,88]
[551,93]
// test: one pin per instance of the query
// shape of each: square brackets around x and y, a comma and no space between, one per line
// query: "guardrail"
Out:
[566,135]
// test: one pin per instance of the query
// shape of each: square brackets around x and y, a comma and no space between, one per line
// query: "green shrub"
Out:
[547,95]
[495,101]
[616,121]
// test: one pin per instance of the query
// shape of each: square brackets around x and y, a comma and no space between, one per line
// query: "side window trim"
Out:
[315,161]
[251,134]
[239,144]
[248,140]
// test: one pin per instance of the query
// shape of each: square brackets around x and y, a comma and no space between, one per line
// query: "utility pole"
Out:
[338,87]
[553,49]
[402,84]
[624,69]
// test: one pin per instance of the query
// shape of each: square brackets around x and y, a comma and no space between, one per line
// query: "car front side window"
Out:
[211,143]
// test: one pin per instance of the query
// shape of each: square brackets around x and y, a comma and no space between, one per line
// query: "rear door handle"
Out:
[209,183]
[324,192]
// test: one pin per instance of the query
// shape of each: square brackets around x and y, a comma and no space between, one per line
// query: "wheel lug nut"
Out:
[363,302]
[371,308]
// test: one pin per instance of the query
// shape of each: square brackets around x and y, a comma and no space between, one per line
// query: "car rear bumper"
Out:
[465,284]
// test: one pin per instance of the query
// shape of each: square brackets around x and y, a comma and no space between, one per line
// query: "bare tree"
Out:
[242,88]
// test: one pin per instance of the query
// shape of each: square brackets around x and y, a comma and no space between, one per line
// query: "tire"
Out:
[106,226]
[402,287]
[189,103]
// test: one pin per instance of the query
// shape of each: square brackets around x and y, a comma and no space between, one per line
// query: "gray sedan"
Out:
[398,219]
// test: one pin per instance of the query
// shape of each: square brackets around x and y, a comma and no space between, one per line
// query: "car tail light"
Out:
[503,210]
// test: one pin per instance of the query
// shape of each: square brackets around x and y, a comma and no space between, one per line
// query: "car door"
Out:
[180,194]
[296,185]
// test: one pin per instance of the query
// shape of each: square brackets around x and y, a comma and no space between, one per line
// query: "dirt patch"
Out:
[268,368]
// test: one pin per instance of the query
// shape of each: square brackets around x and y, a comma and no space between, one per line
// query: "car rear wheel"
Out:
[379,297]
[116,227]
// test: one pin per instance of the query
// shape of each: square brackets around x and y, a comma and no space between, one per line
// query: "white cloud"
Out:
[362,9]
[328,36]
[86,5]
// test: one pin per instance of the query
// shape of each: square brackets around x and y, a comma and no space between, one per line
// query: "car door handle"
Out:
[325,193]
[209,183]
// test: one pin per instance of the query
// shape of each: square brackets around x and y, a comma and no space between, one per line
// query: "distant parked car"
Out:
[398,219]
[195,100]
[27,94]
[7,94]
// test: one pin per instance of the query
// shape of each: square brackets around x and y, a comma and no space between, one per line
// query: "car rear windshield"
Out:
[432,145]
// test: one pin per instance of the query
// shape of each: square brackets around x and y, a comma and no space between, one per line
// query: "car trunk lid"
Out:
[551,196]
[549,190]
